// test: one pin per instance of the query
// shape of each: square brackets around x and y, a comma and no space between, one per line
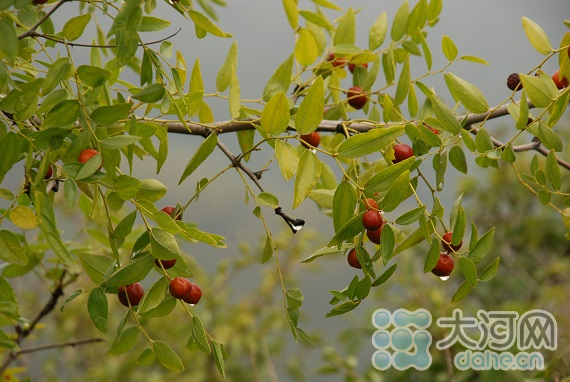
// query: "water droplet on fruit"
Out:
[191,304]
[444,278]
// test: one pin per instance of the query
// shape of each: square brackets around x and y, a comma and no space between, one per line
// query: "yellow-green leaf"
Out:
[536,35]
[23,217]
[469,95]
[306,49]
[275,115]
[310,111]
[287,158]
[307,176]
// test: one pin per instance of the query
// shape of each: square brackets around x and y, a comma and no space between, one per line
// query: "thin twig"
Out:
[62,41]
[23,333]
[294,224]
[41,21]
[60,345]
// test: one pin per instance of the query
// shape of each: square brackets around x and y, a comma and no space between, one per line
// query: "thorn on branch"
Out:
[294,224]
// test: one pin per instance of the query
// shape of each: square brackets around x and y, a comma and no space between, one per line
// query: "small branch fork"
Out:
[294,224]
[23,332]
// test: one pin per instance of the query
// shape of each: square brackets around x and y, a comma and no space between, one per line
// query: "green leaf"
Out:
[445,116]
[155,295]
[509,154]
[203,152]
[294,298]
[307,176]
[280,80]
[150,94]
[385,178]
[403,83]
[275,115]
[412,239]
[549,138]
[292,12]
[200,335]
[219,357]
[306,48]
[536,35]
[400,23]
[310,113]
[287,158]
[8,303]
[10,249]
[151,190]
[108,115]
[316,18]
[95,266]
[6,342]
[59,71]
[167,357]
[553,171]
[9,46]
[372,141]
[475,59]
[397,193]
[469,95]
[267,249]
[449,48]
[385,276]
[458,226]
[163,244]
[268,199]
[63,114]
[411,216]
[387,243]
[346,30]
[433,256]
[153,24]
[468,269]
[377,32]
[74,27]
[462,292]
[119,141]
[126,186]
[23,217]
[124,341]
[490,271]
[482,247]
[92,75]
[349,230]
[343,308]
[133,271]
[98,309]
[457,159]
[326,251]
[344,202]
[146,357]
[206,24]
[224,77]
[90,167]
[537,90]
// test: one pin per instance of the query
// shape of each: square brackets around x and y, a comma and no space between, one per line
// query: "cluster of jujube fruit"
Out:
[445,263]
[179,287]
